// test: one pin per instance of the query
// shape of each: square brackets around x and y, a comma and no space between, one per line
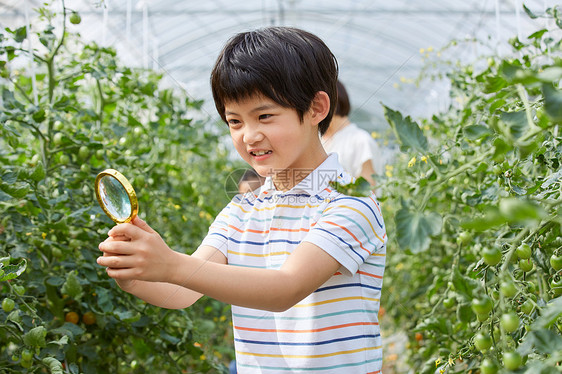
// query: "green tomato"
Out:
[482,305]
[526,265]
[85,168]
[511,360]
[488,366]
[449,302]
[83,152]
[524,251]
[20,290]
[508,289]
[527,307]
[8,305]
[556,262]
[57,138]
[482,317]
[492,256]
[64,159]
[556,285]
[464,237]
[509,322]
[26,355]
[75,18]
[58,126]
[482,341]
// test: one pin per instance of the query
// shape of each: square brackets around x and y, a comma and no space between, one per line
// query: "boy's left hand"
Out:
[135,251]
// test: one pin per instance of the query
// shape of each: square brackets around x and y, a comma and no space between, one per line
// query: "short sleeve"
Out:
[217,236]
[350,230]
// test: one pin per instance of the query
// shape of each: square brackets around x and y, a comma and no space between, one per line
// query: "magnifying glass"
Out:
[116,196]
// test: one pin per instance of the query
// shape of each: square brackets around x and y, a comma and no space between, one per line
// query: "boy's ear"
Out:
[320,107]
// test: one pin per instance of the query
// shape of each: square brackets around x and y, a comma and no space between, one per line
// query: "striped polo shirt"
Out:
[335,329]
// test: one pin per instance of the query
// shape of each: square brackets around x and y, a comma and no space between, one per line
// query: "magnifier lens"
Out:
[115,197]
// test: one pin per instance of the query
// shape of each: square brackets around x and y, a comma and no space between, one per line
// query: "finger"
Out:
[118,238]
[114,262]
[117,247]
[121,274]
[127,230]
[143,225]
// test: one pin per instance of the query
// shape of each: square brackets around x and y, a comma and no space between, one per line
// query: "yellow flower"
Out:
[396,85]
[375,135]
[437,362]
[400,266]
[43,235]
[441,371]
[388,171]
[223,318]
[412,162]
[202,357]
[422,51]
[424,159]
[429,49]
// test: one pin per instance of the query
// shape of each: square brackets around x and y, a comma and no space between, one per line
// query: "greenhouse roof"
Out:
[381,46]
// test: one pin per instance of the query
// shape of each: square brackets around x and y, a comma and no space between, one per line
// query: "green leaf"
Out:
[550,74]
[516,121]
[104,300]
[464,285]
[36,337]
[128,316]
[414,229]
[520,210]
[494,83]
[529,13]
[500,149]
[552,101]
[13,271]
[537,34]
[20,34]
[549,314]
[359,188]
[490,218]
[474,132]
[407,132]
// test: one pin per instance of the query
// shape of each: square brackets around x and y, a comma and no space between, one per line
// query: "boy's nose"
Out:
[252,135]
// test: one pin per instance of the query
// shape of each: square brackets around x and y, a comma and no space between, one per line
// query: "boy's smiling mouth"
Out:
[258,153]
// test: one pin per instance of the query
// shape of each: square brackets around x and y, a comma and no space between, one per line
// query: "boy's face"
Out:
[270,137]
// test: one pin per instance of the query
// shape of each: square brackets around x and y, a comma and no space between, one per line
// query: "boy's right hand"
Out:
[138,254]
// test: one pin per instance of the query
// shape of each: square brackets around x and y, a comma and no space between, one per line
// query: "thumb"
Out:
[143,225]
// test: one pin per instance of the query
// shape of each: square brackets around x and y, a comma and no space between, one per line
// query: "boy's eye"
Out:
[232,122]
[265,116]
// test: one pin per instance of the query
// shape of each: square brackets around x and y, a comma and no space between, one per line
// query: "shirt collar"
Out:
[317,180]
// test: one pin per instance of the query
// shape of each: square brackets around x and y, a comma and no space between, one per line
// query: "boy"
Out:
[301,264]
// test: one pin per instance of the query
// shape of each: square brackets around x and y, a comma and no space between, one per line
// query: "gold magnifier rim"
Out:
[128,188]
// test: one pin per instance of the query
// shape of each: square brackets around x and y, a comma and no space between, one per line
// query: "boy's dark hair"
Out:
[285,64]
[342,105]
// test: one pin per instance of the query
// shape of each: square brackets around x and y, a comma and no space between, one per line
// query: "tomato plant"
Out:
[473,207]
[59,128]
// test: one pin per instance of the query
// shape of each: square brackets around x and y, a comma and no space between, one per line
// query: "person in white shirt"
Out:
[357,151]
